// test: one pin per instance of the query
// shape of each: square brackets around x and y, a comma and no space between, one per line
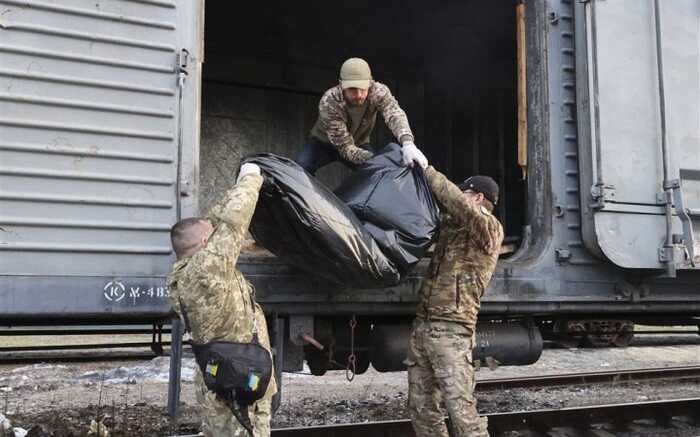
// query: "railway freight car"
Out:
[119,117]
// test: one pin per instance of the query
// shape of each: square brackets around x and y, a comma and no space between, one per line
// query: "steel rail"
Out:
[94,351]
[668,332]
[92,331]
[609,377]
[81,357]
[580,418]
[81,352]
[583,417]
[69,347]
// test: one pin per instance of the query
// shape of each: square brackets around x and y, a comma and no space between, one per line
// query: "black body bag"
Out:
[237,372]
[395,205]
[369,234]
[302,222]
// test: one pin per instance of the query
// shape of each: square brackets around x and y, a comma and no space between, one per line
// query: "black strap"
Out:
[240,413]
[184,315]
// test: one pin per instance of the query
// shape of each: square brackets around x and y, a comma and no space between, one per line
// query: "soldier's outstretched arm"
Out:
[209,268]
[232,215]
[486,228]
[451,198]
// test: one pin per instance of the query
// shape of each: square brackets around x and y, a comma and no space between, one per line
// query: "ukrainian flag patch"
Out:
[212,368]
[253,382]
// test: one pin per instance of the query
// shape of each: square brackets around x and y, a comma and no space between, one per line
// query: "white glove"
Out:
[247,169]
[412,154]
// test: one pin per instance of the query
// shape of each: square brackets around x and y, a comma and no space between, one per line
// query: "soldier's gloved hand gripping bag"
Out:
[306,225]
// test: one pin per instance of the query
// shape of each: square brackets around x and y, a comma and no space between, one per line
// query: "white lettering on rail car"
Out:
[115,291]
[138,293]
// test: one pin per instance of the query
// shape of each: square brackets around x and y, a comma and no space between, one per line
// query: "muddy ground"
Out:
[130,397]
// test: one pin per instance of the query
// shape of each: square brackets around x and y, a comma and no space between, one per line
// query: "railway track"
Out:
[130,350]
[594,421]
[599,421]
[119,353]
[67,343]
[145,351]
[590,421]
[91,352]
[604,377]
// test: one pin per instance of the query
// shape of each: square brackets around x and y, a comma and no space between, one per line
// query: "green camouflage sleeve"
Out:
[485,229]
[210,270]
[334,120]
[238,205]
[394,117]
[231,217]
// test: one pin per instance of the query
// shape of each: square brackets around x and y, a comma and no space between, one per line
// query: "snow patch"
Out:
[156,370]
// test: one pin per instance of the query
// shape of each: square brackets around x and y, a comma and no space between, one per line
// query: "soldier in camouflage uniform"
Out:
[217,301]
[440,350]
[347,114]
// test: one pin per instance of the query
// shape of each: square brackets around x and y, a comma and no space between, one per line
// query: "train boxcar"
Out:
[119,117]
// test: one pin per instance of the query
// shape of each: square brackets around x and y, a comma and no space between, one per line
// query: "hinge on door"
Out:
[182,60]
[673,195]
[562,255]
[553,18]
[182,57]
[601,194]
[687,239]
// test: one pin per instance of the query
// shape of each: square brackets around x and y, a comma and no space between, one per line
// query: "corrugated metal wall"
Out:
[88,136]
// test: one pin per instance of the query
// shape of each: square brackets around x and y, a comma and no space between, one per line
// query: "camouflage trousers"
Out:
[219,421]
[440,369]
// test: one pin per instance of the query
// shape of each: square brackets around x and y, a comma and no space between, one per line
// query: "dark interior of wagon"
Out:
[451,65]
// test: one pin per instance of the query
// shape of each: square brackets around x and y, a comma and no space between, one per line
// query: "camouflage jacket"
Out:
[464,259]
[218,301]
[336,124]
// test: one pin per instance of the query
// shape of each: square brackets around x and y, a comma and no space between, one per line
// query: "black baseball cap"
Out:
[481,184]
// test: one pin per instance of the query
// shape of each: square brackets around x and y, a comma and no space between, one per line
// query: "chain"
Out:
[351,367]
